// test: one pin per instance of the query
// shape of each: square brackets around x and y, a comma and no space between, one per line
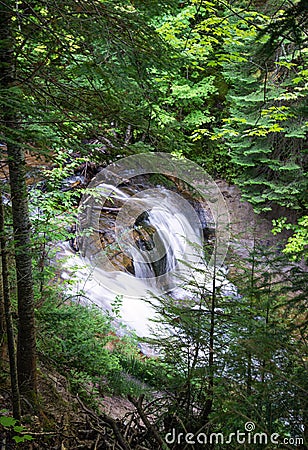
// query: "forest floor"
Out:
[62,420]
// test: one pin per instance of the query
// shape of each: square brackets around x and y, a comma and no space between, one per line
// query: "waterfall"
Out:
[156,228]
[141,244]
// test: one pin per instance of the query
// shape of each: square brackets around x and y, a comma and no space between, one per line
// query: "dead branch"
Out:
[145,420]
[109,421]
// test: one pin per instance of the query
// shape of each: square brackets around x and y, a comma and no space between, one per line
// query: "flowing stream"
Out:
[145,243]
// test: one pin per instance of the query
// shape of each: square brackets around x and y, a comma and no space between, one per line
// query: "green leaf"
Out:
[19,439]
[7,421]
[19,429]
[27,437]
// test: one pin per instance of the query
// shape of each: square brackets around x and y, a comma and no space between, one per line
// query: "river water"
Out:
[142,244]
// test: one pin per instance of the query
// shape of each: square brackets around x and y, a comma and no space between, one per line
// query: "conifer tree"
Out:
[26,352]
[65,70]
[266,129]
[236,356]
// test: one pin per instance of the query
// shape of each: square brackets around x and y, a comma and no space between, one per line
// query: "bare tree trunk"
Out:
[26,348]
[208,406]
[2,321]
[8,316]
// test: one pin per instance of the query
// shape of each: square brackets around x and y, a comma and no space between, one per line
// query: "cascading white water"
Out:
[137,244]
[166,226]
[167,229]
[165,256]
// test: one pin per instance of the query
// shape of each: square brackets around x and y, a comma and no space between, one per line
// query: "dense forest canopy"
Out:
[223,84]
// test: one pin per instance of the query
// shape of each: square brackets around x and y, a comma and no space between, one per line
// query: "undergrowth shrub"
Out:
[81,342]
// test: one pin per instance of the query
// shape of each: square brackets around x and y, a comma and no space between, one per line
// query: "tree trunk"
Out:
[208,405]
[26,348]
[8,316]
[2,322]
